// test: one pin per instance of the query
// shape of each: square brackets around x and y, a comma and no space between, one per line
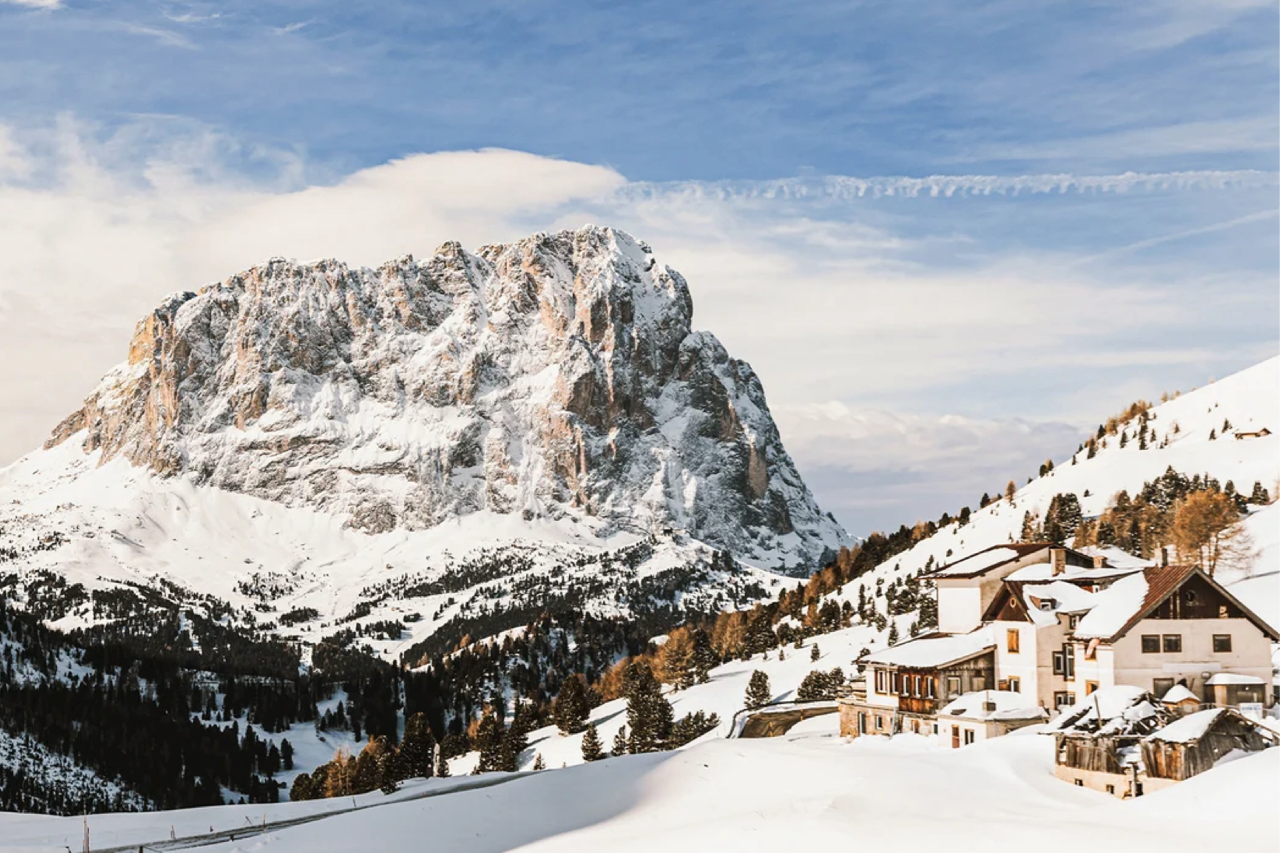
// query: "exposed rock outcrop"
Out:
[557,377]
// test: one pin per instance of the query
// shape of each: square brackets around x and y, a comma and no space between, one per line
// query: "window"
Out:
[862,722]
[1079,783]
[930,691]
[979,682]
[1191,597]
[1089,687]
[1150,644]
[915,686]
[1015,684]
[895,683]
[1059,663]
[968,736]
[1111,789]
[1011,640]
[879,723]
[1063,699]
[953,686]
[1161,686]
[1072,621]
[935,728]
[1172,643]
[879,680]
[1222,642]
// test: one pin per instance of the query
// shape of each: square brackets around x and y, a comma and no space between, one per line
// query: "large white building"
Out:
[1052,625]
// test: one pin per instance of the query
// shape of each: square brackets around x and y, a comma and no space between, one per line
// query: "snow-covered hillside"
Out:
[722,695]
[804,791]
[304,574]
[1248,400]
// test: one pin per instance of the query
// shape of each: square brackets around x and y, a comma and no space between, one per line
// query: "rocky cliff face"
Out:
[555,377]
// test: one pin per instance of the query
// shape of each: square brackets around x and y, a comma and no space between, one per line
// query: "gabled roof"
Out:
[1066,598]
[1130,600]
[935,651]
[993,705]
[988,559]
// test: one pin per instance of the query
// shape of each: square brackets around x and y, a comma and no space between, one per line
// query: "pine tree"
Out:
[442,765]
[488,740]
[516,738]
[759,693]
[649,714]
[893,634]
[592,750]
[391,771]
[286,748]
[538,763]
[704,656]
[1009,491]
[570,711]
[620,741]
[417,748]
[1258,497]
[814,653]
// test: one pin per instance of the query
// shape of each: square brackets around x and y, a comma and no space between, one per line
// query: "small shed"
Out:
[1230,689]
[1195,743]
[990,713]
[1254,433]
[1181,700]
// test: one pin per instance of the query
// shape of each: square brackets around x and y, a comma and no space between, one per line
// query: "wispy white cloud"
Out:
[35,4]
[948,186]
[170,38]
[93,231]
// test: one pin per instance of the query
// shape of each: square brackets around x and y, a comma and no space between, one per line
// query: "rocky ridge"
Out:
[557,377]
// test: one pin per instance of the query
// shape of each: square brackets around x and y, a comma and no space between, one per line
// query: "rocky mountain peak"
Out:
[556,377]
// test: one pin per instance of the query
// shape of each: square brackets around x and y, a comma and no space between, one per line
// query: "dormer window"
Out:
[1047,603]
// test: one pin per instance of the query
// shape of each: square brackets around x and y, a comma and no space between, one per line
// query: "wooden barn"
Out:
[1193,744]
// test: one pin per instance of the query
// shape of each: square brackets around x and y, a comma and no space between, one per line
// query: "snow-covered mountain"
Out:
[323,443]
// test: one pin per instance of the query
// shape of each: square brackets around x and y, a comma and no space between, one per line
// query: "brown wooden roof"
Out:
[1164,581]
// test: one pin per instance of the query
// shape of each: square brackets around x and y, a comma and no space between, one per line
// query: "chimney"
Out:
[1058,560]
[1099,561]
[1164,556]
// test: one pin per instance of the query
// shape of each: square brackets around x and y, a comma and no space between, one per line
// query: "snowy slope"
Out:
[1250,399]
[116,524]
[799,792]
[722,695]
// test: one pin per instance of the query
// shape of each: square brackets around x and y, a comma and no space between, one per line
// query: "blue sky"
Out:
[761,145]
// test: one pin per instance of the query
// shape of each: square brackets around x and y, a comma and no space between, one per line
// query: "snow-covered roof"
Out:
[1232,678]
[1120,606]
[1178,693]
[979,562]
[1110,710]
[1189,728]
[935,651]
[1044,571]
[1116,558]
[1113,607]
[1045,600]
[993,705]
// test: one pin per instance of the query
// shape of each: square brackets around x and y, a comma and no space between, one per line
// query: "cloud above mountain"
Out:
[929,299]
